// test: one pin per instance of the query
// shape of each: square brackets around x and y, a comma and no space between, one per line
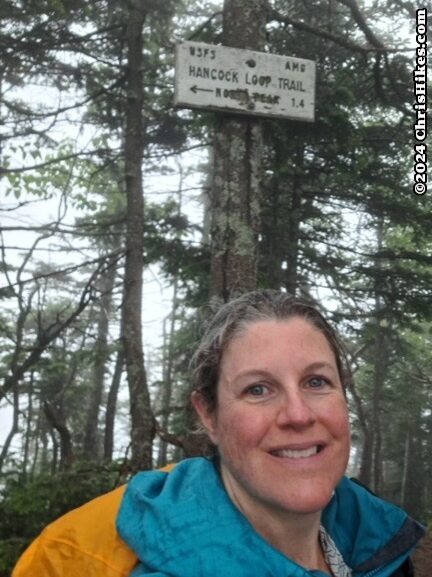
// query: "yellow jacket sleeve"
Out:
[82,543]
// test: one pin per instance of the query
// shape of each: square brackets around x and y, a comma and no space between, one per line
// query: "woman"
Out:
[269,388]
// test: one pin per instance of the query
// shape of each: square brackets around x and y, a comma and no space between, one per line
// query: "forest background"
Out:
[105,184]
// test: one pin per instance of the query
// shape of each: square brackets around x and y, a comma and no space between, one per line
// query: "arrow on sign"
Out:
[195,89]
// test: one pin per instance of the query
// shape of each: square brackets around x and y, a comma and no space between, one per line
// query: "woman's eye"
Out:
[317,382]
[257,390]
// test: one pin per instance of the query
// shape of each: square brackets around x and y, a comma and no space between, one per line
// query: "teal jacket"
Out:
[183,524]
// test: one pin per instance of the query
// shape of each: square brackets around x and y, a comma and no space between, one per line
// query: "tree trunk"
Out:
[294,220]
[142,420]
[416,479]
[380,365]
[28,428]
[365,473]
[380,370]
[405,469]
[272,245]
[55,451]
[14,428]
[12,381]
[56,418]
[91,447]
[111,407]
[236,173]
[372,471]
[167,379]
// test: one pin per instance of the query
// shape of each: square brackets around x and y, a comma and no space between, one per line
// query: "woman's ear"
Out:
[207,418]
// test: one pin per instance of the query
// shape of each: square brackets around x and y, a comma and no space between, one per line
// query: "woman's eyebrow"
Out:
[317,365]
[252,373]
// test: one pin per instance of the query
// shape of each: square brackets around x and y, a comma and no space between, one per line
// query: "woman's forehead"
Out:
[270,337]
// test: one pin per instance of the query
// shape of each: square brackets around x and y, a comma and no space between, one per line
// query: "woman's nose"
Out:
[294,411]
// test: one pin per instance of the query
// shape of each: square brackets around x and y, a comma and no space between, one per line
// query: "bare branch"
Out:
[48,336]
[66,270]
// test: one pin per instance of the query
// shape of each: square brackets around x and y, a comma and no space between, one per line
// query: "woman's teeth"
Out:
[293,454]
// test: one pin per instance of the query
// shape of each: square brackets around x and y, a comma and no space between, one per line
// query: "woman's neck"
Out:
[293,534]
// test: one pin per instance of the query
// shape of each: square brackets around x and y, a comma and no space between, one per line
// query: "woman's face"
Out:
[281,422]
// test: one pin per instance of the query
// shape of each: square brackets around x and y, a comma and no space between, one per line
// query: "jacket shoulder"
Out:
[82,542]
